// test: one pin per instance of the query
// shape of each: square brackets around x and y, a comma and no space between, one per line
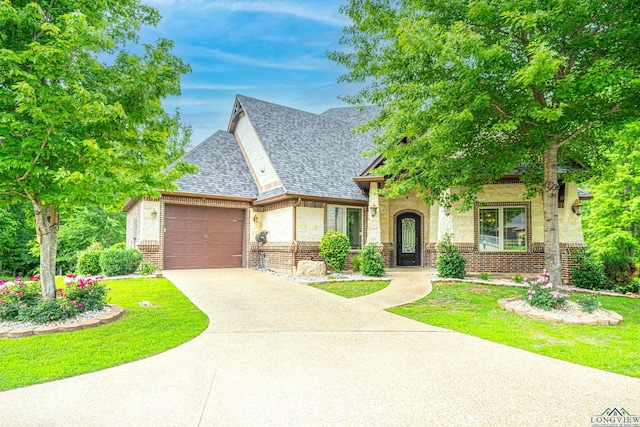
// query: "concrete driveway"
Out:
[278,353]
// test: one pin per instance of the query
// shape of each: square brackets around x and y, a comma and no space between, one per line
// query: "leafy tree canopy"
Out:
[81,120]
[477,88]
[472,89]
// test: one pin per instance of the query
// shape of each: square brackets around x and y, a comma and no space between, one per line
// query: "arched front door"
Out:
[408,239]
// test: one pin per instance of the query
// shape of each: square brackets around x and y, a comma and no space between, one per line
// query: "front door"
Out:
[408,241]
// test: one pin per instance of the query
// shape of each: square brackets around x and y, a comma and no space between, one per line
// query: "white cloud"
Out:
[324,12]
[236,88]
[304,63]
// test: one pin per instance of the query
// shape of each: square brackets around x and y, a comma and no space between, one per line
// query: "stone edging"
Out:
[613,319]
[115,313]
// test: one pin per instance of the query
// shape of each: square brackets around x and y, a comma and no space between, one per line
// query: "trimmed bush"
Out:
[334,247]
[589,272]
[356,260]
[450,263]
[619,268]
[120,262]
[89,263]
[119,245]
[372,263]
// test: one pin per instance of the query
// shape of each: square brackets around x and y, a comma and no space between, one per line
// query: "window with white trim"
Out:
[348,221]
[502,228]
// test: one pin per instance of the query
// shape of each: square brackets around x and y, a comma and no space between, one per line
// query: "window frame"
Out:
[500,207]
[345,222]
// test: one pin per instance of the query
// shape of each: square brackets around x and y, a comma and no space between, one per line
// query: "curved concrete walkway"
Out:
[278,353]
[407,285]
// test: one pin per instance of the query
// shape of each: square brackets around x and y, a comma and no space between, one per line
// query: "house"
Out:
[290,176]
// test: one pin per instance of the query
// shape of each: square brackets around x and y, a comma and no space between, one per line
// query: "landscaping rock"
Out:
[45,330]
[311,268]
[20,332]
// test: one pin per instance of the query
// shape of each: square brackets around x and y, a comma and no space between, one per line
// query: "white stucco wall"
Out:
[309,224]
[261,167]
[279,224]
[149,223]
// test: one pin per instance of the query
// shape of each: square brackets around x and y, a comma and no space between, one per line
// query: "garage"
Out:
[202,237]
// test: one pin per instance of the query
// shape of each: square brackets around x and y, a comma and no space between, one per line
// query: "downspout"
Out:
[295,233]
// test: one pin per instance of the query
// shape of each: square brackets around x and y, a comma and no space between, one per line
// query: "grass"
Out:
[142,332]
[473,310]
[352,289]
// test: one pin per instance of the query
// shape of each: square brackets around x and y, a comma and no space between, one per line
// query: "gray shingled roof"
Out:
[314,154]
[223,170]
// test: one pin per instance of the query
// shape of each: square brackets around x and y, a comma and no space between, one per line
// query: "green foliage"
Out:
[89,263]
[81,119]
[120,262]
[372,262]
[16,233]
[611,221]
[21,301]
[356,260]
[589,303]
[589,272]
[83,226]
[450,262]
[119,245]
[544,294]
[334,247]
[619,269]
[147,268]
[517,278]
[485,276]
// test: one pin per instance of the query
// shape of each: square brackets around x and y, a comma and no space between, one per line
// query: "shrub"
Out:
[632,287]
[450,263]
[372,262]
[588,273]
[485,276]
[619,269]
[355,262]
[334,247]
[517,278]
[120,262]
[89,263]
[119,245]
[589,303]
[147,268]
[541,293]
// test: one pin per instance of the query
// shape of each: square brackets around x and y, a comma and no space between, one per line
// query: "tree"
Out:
[16,232]
[612,219]
[470,90]
[81,120]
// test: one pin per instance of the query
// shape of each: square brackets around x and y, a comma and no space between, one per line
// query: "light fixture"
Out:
[374,210]
[154,214]
[447,210]
[577,207]
[255,218]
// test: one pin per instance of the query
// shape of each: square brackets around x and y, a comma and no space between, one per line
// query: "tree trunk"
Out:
[47,226]
[552,259]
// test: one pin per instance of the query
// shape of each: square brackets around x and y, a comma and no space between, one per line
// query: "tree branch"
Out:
[539,96]
[33,163]
[500,110]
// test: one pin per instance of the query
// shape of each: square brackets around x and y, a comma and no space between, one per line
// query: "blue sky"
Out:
[268,49]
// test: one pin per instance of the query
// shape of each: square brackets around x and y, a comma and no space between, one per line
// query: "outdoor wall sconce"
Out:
[447,210]
[577,207]
[255,218]
[154,214]
[374,210]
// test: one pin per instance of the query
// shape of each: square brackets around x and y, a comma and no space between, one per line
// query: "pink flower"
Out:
[80,304]
[530,297]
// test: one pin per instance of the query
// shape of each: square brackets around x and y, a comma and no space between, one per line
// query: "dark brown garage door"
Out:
[202,237]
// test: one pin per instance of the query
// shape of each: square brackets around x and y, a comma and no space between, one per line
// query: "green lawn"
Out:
[142,332]
[473,310]
[352,289]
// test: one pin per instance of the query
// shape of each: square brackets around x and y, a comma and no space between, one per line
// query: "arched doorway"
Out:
[408,240]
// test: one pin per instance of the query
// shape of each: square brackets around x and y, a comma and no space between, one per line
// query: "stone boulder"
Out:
[311,268]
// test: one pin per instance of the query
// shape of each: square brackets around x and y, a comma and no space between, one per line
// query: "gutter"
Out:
[295,233]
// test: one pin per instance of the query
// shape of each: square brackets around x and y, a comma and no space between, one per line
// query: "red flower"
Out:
[79,304]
